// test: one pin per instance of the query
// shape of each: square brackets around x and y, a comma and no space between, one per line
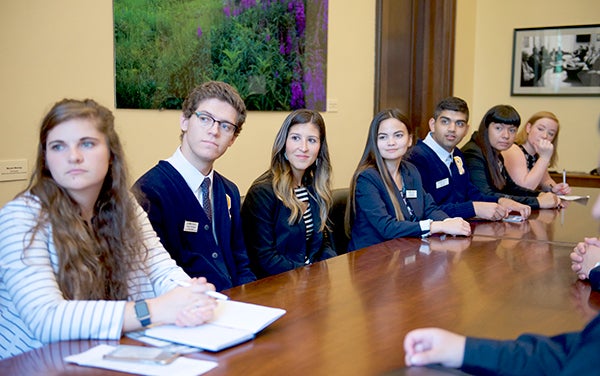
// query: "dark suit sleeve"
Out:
[260,222]
[369,198]
[238,246]
[530,354]
[595,278]
[327,250]
[480,177]
[151,202]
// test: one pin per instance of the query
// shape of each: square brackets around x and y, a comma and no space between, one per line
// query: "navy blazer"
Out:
[481,178]
[274,246]
[455,197]
[185,231]
[531,354]
[375,220]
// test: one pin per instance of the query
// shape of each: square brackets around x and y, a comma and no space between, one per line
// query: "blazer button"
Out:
[206,227]
[215,255]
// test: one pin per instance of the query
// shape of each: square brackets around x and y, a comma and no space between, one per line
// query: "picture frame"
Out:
[560,60]
[273,52]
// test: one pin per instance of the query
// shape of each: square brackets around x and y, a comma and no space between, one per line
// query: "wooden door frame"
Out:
[414,59]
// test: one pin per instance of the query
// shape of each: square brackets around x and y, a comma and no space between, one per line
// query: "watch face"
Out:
[142,313]
[141,309]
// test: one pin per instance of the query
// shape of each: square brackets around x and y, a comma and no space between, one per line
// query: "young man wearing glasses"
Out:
[194,210]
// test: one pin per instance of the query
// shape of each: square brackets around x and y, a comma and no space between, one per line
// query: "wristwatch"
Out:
[142,313]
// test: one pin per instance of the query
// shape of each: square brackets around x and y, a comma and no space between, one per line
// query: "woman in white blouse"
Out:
[78,256]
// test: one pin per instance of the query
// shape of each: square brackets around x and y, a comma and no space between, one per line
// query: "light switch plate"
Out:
[15,169]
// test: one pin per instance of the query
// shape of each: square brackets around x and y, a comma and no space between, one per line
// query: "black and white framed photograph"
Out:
[561,60]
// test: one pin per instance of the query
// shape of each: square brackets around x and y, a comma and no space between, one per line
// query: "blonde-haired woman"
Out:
[284,215]
[534,151]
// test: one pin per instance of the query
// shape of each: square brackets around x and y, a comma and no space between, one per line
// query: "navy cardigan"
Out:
[456,197]
[186,233]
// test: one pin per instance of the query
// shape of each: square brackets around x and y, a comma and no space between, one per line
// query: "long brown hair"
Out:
[371,158]
[318,175]
[95,258]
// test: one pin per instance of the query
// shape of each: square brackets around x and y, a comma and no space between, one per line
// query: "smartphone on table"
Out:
[514,218]
[141,354]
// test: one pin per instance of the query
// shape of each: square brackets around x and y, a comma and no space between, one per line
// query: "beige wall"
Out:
[64,48]
[482,75]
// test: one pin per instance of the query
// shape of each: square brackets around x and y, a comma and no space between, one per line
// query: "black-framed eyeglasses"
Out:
[207,121]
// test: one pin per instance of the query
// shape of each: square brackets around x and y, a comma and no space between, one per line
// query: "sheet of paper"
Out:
[181,366]
[573,198]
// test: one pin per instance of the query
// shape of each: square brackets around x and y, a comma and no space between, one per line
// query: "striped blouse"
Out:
[302,195]
[32,308]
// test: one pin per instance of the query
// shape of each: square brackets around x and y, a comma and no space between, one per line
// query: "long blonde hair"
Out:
[95,258]
[318,175]
[521,137]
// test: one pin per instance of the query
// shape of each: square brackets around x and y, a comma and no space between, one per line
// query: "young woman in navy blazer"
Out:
[284,215]
[387,199]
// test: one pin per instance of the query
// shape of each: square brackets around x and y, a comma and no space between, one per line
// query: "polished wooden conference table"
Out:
[348,315]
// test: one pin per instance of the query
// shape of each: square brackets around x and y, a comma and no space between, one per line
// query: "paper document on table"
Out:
[181,366]
[573,198]
[234,323]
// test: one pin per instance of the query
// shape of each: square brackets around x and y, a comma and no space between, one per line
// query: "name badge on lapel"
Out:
[411,193]
[189,226]
[442,183]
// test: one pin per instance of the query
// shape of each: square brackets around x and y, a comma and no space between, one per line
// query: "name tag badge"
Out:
[411,193]
[189,226]
[442,183]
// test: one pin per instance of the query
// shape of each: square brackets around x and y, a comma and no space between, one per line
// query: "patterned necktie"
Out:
[205,189]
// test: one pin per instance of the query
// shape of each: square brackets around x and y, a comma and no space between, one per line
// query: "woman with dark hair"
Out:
[79,257]
[387,199]
[284,214]
[534,151]
[484,160]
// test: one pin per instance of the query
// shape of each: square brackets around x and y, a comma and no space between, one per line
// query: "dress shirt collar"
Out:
[190,174]
[438,150]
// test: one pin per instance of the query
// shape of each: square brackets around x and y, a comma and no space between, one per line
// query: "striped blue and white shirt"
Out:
[34,312]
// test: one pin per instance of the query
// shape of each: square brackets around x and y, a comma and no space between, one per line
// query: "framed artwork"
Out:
[562,60]
[274,52]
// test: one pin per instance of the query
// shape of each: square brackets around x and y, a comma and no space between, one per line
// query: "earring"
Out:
[285,156]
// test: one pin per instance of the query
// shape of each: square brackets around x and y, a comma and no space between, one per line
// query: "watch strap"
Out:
[142,313]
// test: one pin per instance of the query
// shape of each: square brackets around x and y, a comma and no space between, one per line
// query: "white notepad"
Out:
[234,323]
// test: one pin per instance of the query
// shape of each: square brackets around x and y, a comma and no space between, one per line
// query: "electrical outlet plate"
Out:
[15,169]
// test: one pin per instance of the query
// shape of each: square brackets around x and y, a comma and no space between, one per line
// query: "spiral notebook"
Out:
[234,323]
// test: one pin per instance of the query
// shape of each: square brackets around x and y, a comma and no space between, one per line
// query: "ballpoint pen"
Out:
[212,294]
[564,176]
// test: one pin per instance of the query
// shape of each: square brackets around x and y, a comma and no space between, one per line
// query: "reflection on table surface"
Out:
[349,315]
[565,226]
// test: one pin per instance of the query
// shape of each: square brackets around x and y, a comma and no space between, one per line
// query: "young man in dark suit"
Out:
[195,210]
